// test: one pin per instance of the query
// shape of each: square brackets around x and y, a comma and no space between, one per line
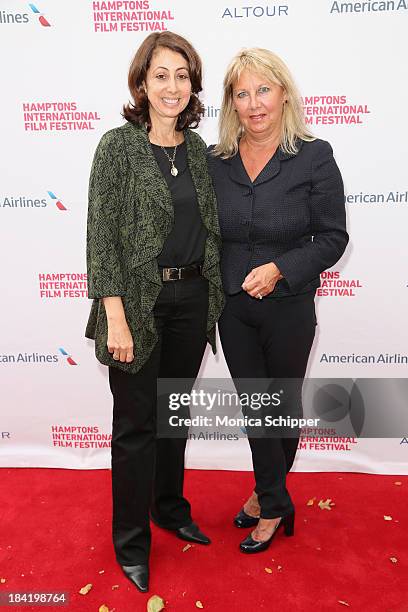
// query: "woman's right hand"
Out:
[120,341]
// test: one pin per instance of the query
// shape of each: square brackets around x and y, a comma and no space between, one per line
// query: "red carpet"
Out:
[55,536]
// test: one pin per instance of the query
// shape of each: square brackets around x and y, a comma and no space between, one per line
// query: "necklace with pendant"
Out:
[173,168]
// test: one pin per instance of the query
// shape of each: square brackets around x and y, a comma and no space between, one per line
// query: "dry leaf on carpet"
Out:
[114,587]
[103,608]
[393,559]
[199,605]
[343,603]
[101,572]
[85,589]
[326,505]
[2,580]
[311,502]
[387,518]
[187,546]
[268,570]
[155,604]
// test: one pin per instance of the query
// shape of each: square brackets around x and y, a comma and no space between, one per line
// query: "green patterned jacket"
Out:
[130,214]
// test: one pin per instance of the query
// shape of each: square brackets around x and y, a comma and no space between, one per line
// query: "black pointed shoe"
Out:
[249,545]
[243,520]
[139,575]
[192,533]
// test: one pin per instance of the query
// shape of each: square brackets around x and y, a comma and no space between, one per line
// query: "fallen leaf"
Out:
[398,483]
[387,518]
[199,605]
[268,570]
[393,559]
[344,603]
[187,546]
[326,505]
[155,604]
[85,589]
[101,571]
[114,587]
[311,502]
[103,608]
[2,580]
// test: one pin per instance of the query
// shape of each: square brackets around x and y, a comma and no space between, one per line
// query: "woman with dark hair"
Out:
[153,273]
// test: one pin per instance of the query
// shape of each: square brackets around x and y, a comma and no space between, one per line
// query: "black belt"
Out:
[172,274]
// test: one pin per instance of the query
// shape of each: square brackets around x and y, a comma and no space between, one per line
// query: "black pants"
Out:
[148,472]
[269,338]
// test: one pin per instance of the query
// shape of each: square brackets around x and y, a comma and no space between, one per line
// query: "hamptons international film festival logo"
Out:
[28,13]
[65,285]
[333,284]
[38,358]
[57,116]
[130,16]
[370,6]
[319,110]
[324,439]
[79,436]
[25,202]
[333,110]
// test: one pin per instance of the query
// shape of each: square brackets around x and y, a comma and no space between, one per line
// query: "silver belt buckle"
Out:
[167,274]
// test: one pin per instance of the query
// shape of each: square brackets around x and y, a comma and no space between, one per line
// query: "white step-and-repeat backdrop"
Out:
[64,81]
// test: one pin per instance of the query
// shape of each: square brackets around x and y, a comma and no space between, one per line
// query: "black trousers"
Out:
[148,472]
[269,338]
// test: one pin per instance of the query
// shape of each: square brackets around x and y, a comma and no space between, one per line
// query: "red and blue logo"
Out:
[67,356]
[41,17]
[58,202]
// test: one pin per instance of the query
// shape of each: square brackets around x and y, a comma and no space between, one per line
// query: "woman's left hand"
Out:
[261,281]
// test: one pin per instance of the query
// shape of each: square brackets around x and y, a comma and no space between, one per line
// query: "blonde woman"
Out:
[282,218]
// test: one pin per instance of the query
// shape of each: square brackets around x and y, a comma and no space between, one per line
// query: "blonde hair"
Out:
[268,64]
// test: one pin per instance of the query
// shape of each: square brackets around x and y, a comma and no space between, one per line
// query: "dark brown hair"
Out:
[138,111]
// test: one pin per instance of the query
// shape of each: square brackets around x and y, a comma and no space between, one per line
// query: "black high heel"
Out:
[249,545]
[243,520]
[139,575]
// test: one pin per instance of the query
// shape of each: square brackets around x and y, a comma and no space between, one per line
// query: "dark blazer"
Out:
[130,214]
[293,214]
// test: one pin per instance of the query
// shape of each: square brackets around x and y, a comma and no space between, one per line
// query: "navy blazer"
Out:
[293,214]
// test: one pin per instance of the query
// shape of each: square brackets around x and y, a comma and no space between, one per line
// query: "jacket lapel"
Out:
[197,163]
[237,171]
[144,164]
[268,172]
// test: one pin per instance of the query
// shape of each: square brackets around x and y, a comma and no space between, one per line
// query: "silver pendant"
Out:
[174,170]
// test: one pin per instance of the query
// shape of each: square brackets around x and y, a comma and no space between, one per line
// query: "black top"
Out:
[186,242]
